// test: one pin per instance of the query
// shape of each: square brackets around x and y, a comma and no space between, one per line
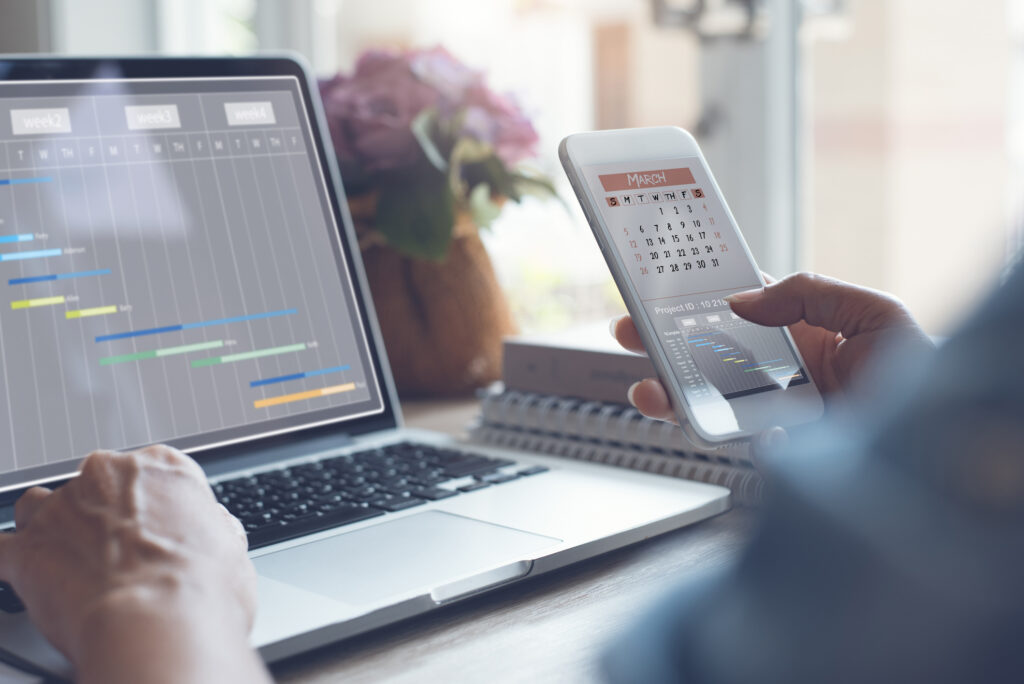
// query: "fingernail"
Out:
[631,391]
[742,297]
[774,438]
[611,325]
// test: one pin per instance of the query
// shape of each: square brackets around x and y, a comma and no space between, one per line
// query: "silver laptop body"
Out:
[182,268]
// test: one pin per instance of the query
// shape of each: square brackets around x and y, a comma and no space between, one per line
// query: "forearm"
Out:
[170,640]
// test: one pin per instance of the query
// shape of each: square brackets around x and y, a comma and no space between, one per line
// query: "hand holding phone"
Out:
[839,328]
[675,252]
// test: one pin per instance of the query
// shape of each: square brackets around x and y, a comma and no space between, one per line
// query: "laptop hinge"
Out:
[259,456]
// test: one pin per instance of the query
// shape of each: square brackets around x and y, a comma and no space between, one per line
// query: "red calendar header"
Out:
[646,179]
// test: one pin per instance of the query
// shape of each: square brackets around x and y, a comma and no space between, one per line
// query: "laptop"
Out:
[178,265]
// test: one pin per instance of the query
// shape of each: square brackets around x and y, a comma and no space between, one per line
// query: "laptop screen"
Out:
[170,269]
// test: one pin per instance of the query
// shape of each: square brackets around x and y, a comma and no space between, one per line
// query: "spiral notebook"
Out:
[613,434]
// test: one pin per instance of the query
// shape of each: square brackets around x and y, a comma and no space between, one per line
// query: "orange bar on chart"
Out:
[299,396]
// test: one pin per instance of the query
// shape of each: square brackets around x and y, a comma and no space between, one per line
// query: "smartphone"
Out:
[675,252]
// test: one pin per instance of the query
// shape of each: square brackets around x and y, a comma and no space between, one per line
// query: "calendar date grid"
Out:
[682,236]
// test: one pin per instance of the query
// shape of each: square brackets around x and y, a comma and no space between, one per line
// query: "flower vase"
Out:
[442,321]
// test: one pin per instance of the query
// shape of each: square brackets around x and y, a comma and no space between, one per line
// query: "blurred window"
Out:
[880,141]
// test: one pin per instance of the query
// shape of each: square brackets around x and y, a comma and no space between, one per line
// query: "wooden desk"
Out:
[551,628]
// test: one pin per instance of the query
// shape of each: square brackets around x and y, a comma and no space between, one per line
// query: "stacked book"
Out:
[565,396]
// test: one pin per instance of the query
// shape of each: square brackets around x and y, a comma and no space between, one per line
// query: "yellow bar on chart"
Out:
[42,301]
[299,396]
[98,311]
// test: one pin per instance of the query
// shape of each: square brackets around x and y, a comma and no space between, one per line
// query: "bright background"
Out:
[879,141]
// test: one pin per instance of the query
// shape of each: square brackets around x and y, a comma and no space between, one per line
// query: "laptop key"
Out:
[428,480]
[393,504]
[252,528]
[257,519]
[470,466]
[533,470]
[499,478]
[298,518]
[433,493]
[363,493]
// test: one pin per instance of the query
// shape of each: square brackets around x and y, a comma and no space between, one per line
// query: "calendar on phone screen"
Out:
[682,254]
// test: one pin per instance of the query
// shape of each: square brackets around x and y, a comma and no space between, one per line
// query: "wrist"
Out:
[164,632]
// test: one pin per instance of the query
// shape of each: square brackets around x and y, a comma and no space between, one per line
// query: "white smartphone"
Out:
[675,251]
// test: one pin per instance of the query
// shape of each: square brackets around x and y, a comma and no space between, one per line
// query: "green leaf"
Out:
[504,179]
[422,127]
[473,163]
[535,184]
[532,184]
[466,152]
[482,208]
[417,216]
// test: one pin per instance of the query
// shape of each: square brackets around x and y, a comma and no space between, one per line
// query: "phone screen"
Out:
[683,255]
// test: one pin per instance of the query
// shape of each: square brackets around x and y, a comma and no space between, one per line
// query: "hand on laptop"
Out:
[837,327]
[136,573]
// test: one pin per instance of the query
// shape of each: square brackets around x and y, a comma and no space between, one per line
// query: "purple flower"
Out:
[448,76]
[498,121]
[370,113]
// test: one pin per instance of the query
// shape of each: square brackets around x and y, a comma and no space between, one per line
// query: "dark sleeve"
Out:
[892,547]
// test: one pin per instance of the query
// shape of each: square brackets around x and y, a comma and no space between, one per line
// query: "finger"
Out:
[97,464]
[7,556]
[168,458]
[649,398]
[236,525]
[822,302]
[27,506]
[164,454]
[766,445]
[626,333]
[101,476]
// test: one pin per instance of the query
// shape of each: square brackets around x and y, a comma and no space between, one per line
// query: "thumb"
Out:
[7,552]
[822,302]
[766,445]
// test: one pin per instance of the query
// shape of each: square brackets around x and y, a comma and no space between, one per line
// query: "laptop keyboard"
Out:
[9,601]
[283,504]
[292,502]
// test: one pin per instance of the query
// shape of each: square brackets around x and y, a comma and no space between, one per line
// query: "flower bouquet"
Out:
[428,155]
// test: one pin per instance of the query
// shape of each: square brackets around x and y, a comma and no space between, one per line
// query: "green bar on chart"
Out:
[245,356]
[157,353]
[97,311]
[42,301]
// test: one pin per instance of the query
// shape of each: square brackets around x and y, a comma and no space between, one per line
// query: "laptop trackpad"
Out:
[421,552]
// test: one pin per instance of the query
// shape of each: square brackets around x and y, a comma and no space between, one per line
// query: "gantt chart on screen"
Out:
[169,269]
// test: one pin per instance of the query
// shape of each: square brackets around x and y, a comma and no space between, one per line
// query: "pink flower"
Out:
[498,120]
[370,113]
[450,77]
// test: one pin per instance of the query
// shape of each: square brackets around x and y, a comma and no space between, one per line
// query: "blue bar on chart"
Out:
[23,181]
[58,276]
[24,237]
[190,326]
[37,254]
[297,376]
